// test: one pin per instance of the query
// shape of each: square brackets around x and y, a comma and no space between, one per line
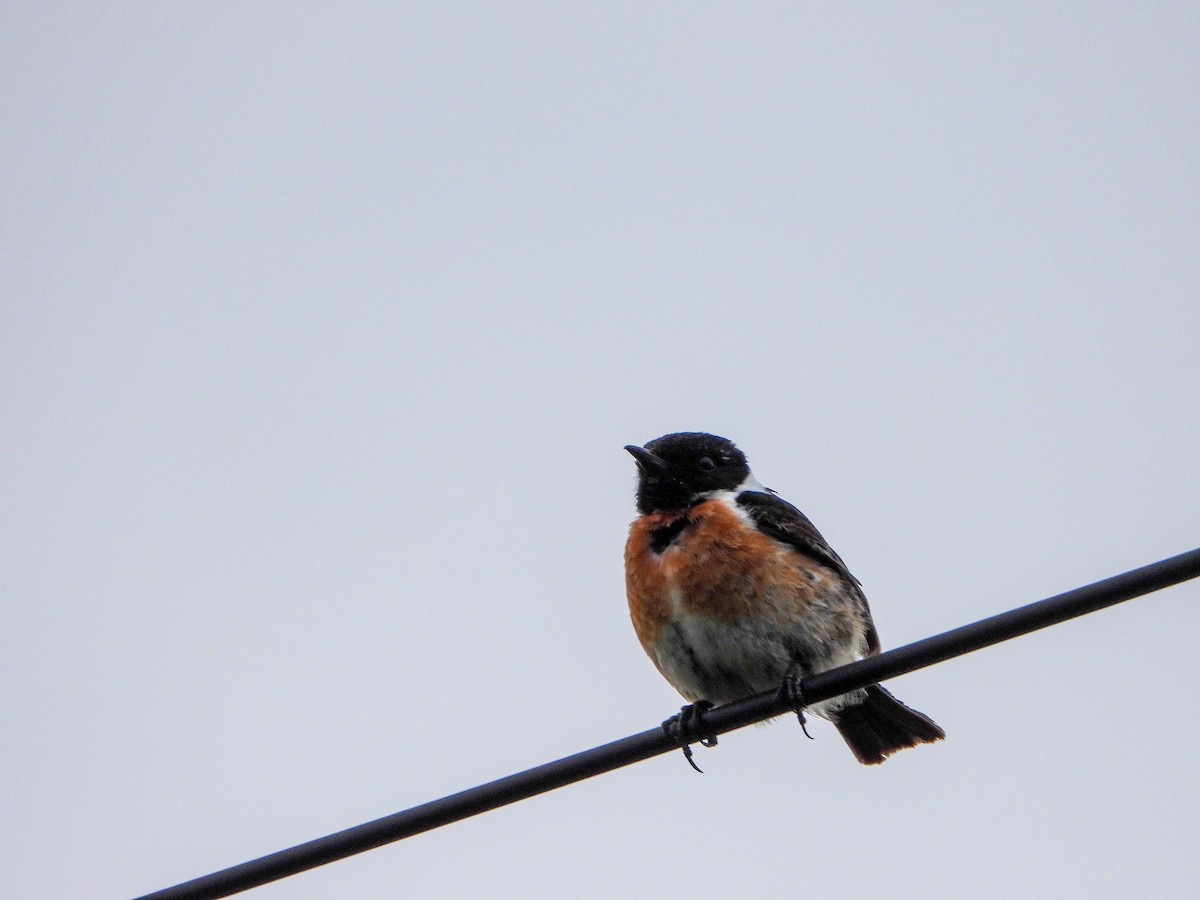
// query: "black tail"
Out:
[881,725]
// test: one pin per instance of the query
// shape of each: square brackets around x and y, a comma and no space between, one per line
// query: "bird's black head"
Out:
[678,470]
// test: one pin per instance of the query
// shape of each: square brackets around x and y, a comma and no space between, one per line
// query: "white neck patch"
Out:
[749,484]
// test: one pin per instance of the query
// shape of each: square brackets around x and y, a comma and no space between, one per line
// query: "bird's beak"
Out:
[648,462]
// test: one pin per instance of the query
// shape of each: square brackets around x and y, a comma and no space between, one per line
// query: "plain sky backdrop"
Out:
[323,327]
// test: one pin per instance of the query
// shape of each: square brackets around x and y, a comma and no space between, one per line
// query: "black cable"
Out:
[717,721]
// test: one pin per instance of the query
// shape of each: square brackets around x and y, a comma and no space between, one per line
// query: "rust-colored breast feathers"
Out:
[717,566]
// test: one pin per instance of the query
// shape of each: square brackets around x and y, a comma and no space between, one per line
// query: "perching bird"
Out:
[733,592]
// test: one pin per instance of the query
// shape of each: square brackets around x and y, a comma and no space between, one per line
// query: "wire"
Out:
[637,747]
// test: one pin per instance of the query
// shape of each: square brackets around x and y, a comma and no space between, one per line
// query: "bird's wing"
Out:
[777,518]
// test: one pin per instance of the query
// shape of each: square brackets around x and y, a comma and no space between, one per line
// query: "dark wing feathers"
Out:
[777,518]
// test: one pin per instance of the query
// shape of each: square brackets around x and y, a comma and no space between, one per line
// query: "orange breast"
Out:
[718,567]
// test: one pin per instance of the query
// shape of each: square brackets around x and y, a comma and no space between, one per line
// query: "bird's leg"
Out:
[794,696]
[688,726]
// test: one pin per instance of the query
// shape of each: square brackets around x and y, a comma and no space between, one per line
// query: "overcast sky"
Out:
[323,328]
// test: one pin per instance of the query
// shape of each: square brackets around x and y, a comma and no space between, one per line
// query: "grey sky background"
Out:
[322,332]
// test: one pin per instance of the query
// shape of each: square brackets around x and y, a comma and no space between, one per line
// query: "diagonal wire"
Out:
[637,747]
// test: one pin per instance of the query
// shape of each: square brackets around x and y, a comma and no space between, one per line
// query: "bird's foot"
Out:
[794,696]
[688,726]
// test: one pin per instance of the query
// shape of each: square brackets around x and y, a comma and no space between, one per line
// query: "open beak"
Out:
[648,462]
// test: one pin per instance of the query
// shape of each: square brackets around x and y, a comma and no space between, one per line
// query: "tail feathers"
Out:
[881,725]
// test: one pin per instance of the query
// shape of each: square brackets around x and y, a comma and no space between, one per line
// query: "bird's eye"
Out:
[706,464]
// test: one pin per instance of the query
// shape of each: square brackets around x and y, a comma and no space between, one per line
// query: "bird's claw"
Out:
[688,726]
[794,696]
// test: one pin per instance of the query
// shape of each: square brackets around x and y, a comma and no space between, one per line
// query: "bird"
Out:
[733,592]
